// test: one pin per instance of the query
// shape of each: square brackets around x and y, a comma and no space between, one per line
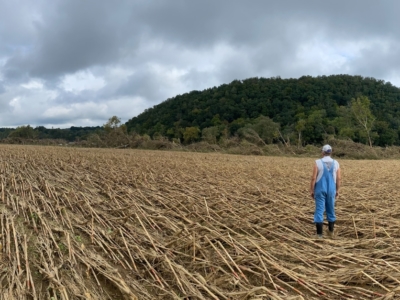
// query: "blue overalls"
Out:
[324,195]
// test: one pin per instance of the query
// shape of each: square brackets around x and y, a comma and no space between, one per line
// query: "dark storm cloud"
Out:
[77,35]
[153,50]
[16,25]
[270,34]
[202,24]
[207,21]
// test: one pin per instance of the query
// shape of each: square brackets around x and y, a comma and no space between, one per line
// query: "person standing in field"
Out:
[324,189]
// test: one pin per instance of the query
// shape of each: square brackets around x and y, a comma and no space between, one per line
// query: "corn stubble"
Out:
[124,224]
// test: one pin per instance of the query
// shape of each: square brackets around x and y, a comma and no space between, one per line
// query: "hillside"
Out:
[304,110]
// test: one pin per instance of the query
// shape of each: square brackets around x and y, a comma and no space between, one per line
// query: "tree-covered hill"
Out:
[304,110]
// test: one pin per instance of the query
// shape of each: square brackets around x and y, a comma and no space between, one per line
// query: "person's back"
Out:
[324,189]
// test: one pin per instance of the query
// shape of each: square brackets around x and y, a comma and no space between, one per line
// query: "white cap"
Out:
[327,149]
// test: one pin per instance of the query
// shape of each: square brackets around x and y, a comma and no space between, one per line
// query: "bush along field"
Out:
[138,224]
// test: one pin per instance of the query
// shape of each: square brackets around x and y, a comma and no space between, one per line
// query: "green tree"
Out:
[210,134]
[386,135]
[236,125]
[360,108]
[112,123]
[26,132]
[115,134]
[344,123]
[249,134]
[266,129]
[320,99]
[314,131]
[216,120]
[300,126]
[191,134]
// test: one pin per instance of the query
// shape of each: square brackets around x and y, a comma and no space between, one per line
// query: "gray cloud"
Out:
[79,62]
[77,35]
[381,58]
[146,84]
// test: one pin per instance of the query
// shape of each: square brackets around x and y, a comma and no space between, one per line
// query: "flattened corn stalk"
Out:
[124,224]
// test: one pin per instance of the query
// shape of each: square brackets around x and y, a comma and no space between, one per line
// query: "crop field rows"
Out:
[125,224]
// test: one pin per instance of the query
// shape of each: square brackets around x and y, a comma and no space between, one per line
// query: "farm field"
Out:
[130,224]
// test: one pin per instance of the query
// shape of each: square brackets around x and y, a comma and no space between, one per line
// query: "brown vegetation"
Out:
[118,138]
[134,224]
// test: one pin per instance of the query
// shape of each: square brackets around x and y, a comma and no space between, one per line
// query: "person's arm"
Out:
[313,179]
[338,179]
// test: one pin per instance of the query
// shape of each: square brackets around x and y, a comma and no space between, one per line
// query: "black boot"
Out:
[331,226]
[319,229]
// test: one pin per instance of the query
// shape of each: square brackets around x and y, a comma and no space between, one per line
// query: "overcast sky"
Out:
[78,62]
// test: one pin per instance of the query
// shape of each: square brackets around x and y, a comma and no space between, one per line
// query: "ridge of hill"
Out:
[304,110]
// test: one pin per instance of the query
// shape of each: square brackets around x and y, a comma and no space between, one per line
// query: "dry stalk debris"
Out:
[126,224]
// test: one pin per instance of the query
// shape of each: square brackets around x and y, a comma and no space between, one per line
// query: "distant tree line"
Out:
[71,134]
[111,134]
[261,111]
[300,111]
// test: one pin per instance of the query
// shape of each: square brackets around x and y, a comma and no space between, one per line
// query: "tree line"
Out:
[112,134]
[300,111]
[71,134]
[303,111]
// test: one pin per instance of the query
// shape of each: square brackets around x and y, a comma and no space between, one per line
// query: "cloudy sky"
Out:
[78,62]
